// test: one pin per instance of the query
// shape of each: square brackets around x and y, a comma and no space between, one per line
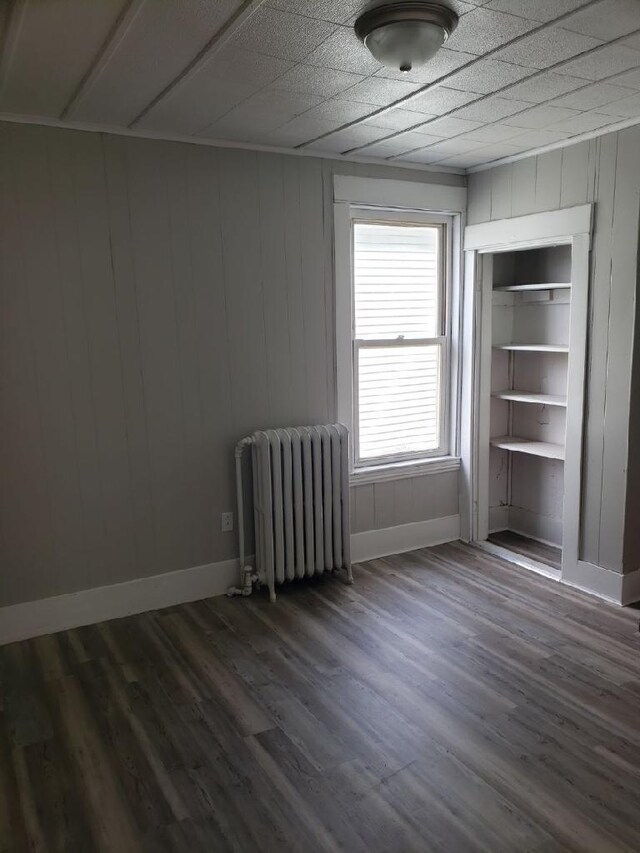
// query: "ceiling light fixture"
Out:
[405,35]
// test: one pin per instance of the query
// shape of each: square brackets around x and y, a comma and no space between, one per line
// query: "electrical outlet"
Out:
[227,522]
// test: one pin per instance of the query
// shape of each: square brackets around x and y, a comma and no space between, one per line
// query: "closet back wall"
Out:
[158,301]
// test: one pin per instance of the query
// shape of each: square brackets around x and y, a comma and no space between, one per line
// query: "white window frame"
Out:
[359,199]
[443,339]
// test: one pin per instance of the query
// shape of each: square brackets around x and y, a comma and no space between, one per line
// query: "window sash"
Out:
[441,224]
[442,340]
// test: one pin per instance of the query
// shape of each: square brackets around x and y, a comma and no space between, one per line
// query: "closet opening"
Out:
[530,311]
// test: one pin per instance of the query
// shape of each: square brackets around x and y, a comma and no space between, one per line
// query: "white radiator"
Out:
[300,503]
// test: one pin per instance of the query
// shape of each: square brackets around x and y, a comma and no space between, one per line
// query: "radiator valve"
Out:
[249,579]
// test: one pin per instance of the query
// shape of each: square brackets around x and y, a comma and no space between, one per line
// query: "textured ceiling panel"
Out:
[400,144]
[317,81]
[353,137]
[626,108]
[227,79]
[538,138]
[463,7]
[160,42]
[380,91]
[543,49]
[543,87]
[535,10]
[447,148]
[630,79]
[49,48]
[515,75]
[493,133]
[439,100]
[592,97]
[606,20]
[317,121]
[451,126]
[422,157]
[492,109]
[343,51]
[485,30]
[397,119]
[608,60]
[581,123]
[538,117]
[261,113]
[478,156]
[335,11]
[487,75]
[282,34]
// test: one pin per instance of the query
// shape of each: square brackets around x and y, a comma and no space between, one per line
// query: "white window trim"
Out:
[359,213]
[406,198]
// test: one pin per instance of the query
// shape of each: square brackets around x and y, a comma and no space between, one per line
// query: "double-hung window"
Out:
[400,268]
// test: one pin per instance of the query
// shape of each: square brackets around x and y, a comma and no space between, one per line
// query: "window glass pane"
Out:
[398,400]
[395,272]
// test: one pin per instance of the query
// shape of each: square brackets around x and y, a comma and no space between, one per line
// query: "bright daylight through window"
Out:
[400,345]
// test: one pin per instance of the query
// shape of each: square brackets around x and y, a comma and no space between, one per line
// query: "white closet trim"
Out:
[522,232]
[570,226]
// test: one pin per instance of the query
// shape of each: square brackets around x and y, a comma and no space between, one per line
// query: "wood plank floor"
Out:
[447,701]
[549,555]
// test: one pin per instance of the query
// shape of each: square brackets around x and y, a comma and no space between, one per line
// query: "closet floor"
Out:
[527,547]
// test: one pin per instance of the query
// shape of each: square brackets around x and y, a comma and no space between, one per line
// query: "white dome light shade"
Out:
[405,35]
[405,45]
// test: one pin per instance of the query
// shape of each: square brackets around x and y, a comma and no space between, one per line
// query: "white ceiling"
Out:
[515,76]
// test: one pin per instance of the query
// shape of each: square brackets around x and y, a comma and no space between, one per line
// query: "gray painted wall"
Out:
[606,171]
[158,301]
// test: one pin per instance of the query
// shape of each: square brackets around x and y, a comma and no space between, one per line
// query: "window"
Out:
[400,344]
[398,324]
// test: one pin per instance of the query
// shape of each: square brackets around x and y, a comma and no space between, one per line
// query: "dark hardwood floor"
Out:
[447,701]
[527,547]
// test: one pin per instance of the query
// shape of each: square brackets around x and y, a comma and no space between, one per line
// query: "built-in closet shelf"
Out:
[526,445]
[532,347]
[532,335]
[526,397]
[523,288]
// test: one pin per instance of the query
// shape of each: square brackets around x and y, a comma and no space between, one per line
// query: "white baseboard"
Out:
[372,544]
[88,606]
[604,583]
[613,586]
[631,587]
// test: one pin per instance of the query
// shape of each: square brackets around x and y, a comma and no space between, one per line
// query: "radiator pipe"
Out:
[247,576]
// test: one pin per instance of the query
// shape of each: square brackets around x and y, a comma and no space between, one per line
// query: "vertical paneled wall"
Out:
[158,301]
[605,171]
[386,504]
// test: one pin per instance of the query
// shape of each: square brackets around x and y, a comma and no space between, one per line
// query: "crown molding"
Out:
[114,130]
[554,146]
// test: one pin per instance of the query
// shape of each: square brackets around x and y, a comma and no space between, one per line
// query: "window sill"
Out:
[403,470]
